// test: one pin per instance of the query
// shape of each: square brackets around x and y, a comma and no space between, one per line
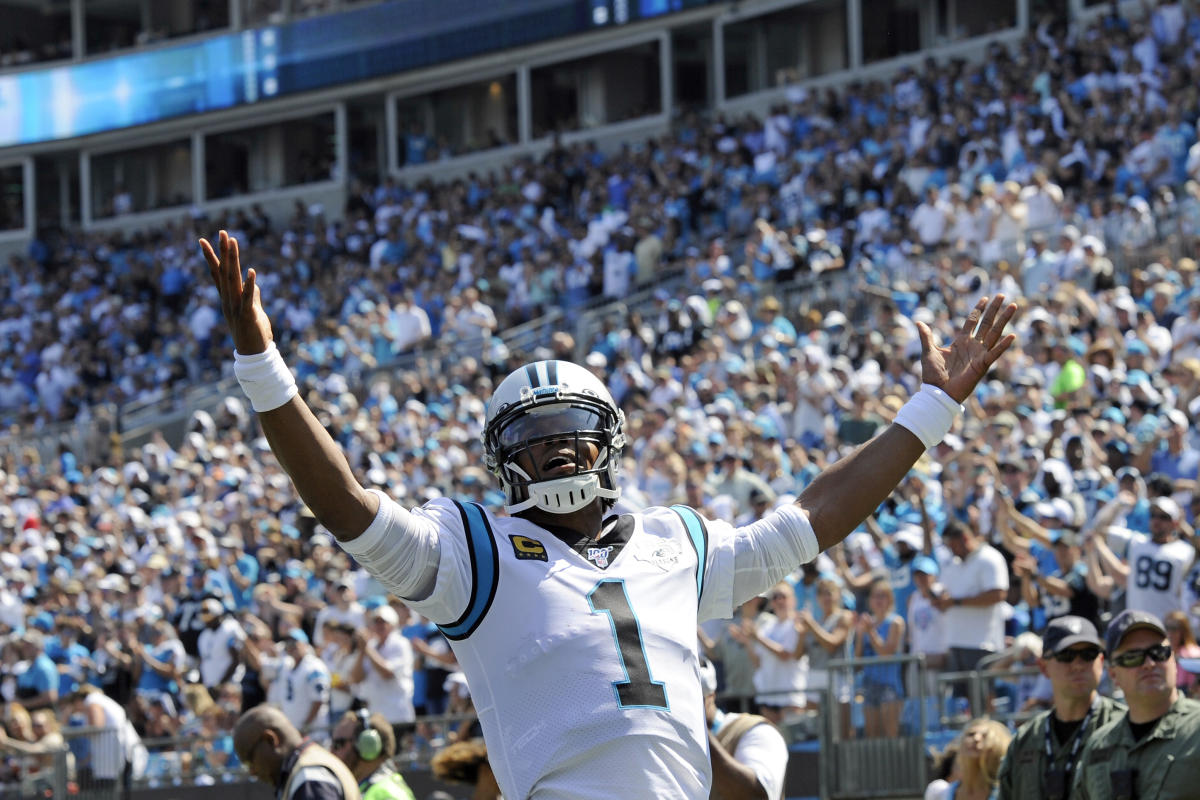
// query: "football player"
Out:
[576,629]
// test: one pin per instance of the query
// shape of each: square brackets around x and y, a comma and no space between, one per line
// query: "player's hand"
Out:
[957,369]
[240,301]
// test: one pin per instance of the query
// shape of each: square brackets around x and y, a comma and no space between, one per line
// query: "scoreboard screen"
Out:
[239,68]
[619,12]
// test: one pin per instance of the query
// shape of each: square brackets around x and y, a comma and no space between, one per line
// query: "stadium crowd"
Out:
[186,582]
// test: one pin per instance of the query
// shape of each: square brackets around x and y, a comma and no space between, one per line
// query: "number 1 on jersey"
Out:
[639,689]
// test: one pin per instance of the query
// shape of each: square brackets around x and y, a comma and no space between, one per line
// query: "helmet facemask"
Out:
[563,481]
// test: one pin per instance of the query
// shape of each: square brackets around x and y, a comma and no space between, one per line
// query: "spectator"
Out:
[827,635]
[880,633]
[37,682]
[1059,591]
[467,762]
[926,623]
[730,648]
[781,668]
[471,320]
[186,619]
[220,646]
[343,606]
[932,220]
[38,739]
[738,482]
[229,702]
[858,424]
[977,764]
[162,663]
[213,751]
[383,671]
[1183,644]
[72,659]
[945,771]
[433,661]
[340,655]
[115,752]
[304,681]
[1154,567]
[976,582]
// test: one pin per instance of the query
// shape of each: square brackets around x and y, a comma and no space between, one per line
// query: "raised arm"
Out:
[1098,582]
[1113,565]
[304,449]
[844,494]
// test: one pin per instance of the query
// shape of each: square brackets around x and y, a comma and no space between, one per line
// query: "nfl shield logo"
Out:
[599,555]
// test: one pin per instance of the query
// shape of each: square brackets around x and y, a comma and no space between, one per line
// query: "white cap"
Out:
[910,534]
[385,613]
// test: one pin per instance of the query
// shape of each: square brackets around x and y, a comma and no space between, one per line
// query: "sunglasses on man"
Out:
[1135,658]
[1069,656]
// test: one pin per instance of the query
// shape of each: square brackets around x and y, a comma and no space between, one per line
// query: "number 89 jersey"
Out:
[1156,575]
[582,665]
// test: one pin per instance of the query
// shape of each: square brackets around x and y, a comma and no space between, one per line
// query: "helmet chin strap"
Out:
[562,495]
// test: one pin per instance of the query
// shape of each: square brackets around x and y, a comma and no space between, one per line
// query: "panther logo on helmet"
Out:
[554,401]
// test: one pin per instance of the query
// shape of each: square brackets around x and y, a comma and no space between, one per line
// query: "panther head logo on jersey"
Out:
[599,555]
[663,555]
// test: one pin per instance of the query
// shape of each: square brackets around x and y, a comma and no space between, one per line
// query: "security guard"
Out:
[1151,752]
[1043,755]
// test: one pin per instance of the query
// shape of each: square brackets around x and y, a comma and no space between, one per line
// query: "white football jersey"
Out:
[303,684]
[582,661]
[1156,575]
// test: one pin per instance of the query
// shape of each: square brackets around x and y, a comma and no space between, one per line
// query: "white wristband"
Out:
[265,378]
[928,414]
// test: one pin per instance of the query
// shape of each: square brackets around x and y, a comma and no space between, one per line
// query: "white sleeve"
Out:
[399,549]
[763,750]
[1119,539]
[397,653]
[746,561]
[997,574]
[419,555]
[937,790]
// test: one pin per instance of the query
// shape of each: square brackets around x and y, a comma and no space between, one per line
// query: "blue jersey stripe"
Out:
[698,534]
[485,571]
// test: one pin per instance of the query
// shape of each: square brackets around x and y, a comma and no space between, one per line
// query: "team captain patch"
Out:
[526,549]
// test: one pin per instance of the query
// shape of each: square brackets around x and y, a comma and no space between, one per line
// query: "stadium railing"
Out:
[48,776]
[91,765]
[852,766]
